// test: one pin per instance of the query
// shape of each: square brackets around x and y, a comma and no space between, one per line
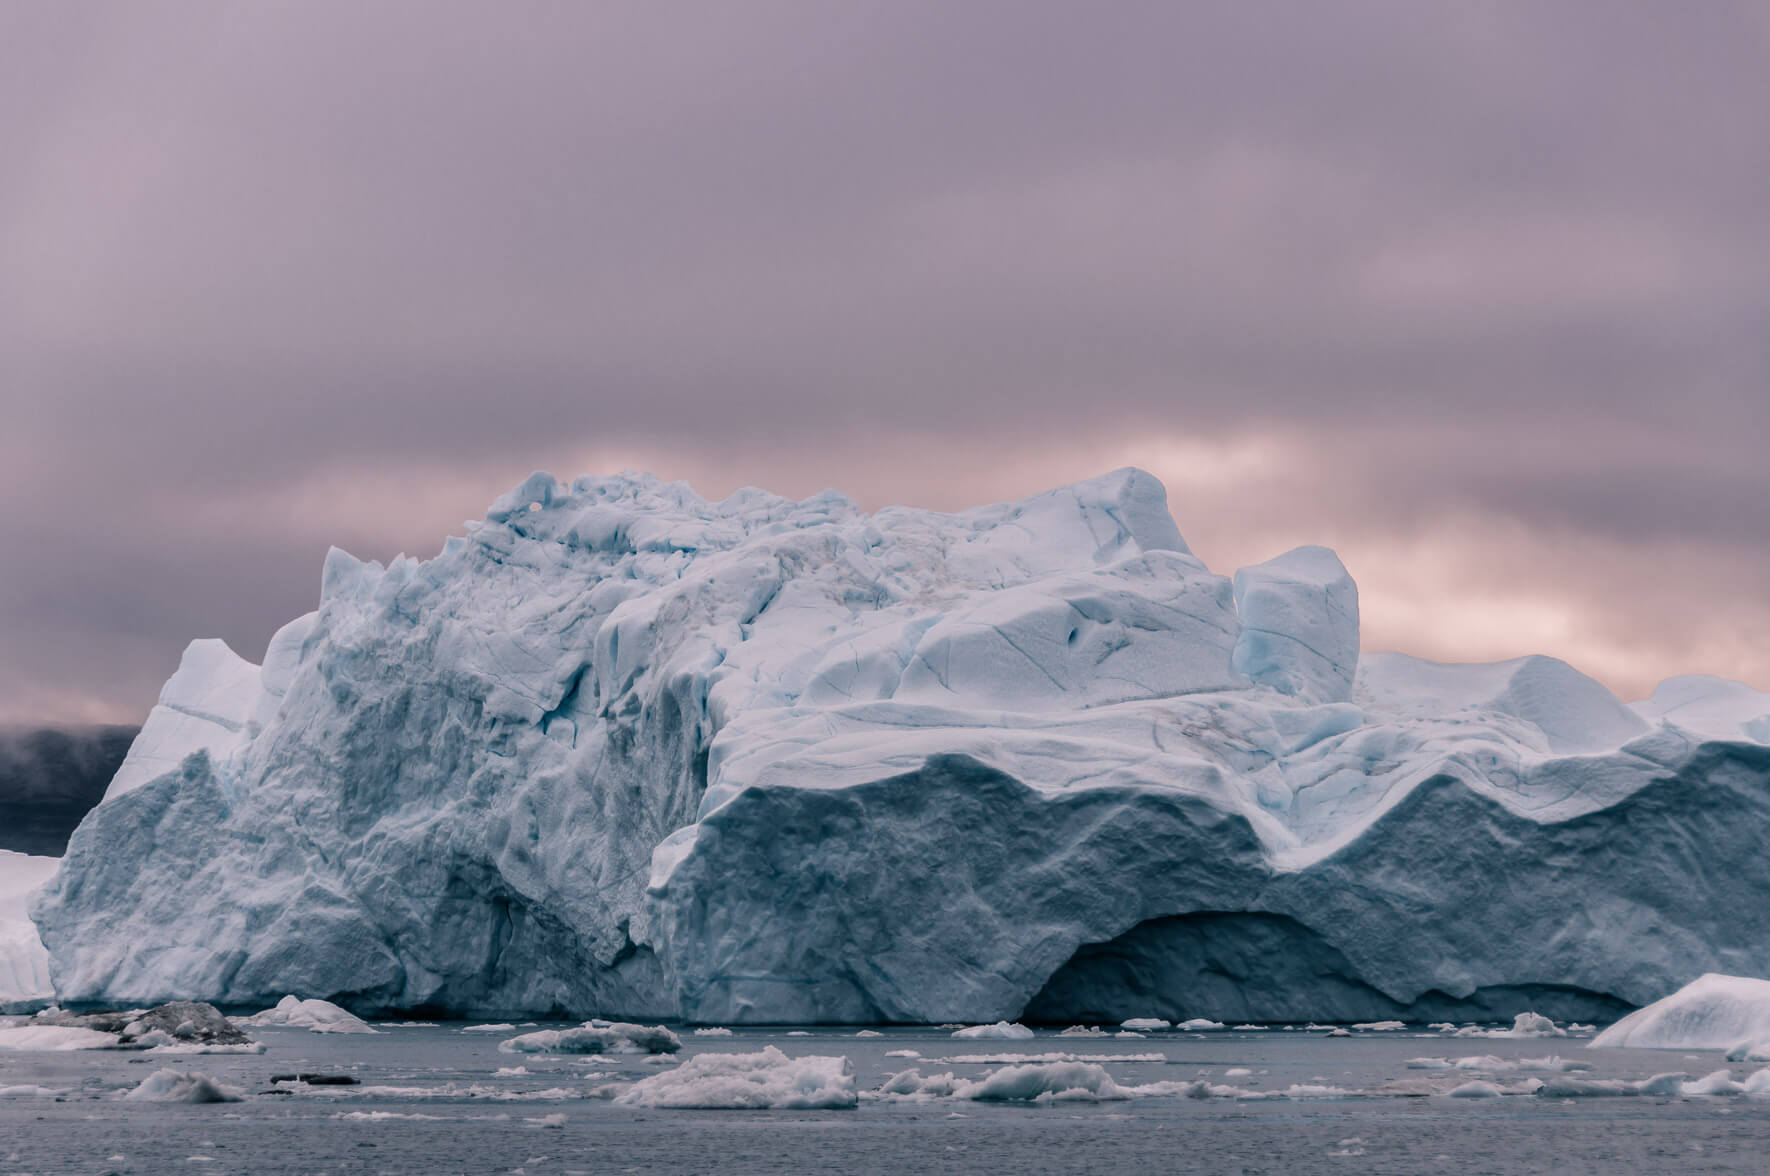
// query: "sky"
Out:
[1477,294]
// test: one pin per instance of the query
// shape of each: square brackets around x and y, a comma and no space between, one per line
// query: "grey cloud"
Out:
[1511,259]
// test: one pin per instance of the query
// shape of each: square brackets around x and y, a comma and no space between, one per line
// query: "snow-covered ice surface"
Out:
[1710,1012]
[435,1099]
[622,751]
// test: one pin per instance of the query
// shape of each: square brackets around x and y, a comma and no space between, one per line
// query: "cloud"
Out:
[1477,296]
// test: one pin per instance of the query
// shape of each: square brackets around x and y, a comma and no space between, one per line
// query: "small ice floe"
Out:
[798,1033]
[1380,1026]
[1487,1063]
[29,1091]
[321,1016]
[712,1031]
[1711,1012]
[1033,1082]
[1339,1031]
[1198,1025]
[1083,1031]
[903,1053]
[1001,1059]
[1748,1052]
[554,1120]
[1144,1024]
[768,1079]
[1524,1025]
[1721,1082]
[55,1037]
[1001,1029]
[595,1037]
[510,1071]
[1475,1089]
[1250,1028]
[1129,1033]
[1238,1072]
[383,1116]
[408,1024]
[181,1086]
[499,1027]
[869,1033]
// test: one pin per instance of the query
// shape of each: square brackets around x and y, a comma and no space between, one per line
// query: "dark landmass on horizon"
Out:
[50,777]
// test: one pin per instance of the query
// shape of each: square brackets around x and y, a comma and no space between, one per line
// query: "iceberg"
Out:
[24,963]
[621,751]
[1710,1012]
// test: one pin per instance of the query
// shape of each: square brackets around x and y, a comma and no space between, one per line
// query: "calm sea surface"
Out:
[451,1112]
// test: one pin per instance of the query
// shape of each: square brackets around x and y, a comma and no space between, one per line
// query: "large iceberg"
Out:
[622,751]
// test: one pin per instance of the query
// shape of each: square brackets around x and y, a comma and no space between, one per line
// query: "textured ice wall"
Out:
[622,751]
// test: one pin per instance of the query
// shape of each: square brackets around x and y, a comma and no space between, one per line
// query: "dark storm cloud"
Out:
[278,275]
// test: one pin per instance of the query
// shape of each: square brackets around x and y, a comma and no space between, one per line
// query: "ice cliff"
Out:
[623,751]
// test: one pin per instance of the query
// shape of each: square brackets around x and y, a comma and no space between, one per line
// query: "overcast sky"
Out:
[1478,294]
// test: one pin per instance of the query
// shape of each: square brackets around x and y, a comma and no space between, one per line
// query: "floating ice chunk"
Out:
[1748,1052]
[596,1037]
[712,1032]
[1719,1082]
[1083,1031]
[497,1027]
[1339,1031]
[1001,1029]
[1381,1026]
[182,1086]
[1711,1012]
[1145,1024]
[869,1033]
[911,1084]
[1044,1081]
[321,1016]
[768,1079]
[1199,1025]
[903,1053]
[1476,1089]
[1660,1085]
[27,1090]
[1524,1025]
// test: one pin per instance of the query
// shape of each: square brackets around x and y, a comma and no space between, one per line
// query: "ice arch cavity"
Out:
[1236,967]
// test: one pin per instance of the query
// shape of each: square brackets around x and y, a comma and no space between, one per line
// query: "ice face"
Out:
[620,750]
[1299,625]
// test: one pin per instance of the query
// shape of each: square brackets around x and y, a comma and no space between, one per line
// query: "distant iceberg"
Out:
[620,751]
